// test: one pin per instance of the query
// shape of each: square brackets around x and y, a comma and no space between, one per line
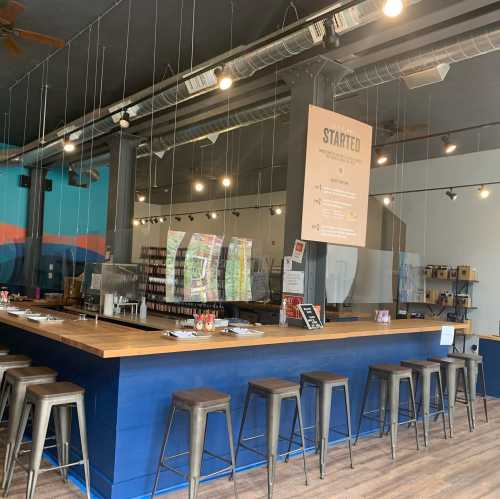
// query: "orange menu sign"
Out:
[337,177]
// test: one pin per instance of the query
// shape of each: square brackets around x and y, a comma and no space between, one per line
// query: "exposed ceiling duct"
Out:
[349,15]
[220,124]
[459,50]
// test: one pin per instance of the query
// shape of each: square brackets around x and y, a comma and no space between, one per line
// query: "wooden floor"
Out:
[464,467]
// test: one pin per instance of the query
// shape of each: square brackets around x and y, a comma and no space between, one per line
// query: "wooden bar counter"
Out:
[130,376]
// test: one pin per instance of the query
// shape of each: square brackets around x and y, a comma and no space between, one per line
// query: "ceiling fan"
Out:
[9,10]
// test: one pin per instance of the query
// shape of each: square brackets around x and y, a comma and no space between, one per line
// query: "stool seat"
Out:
[421,364]
[54,390]
[273,385]
[466,356]
[324,378]
[201,397]
[449,360]
[391,369]
[25,374]
[7,360]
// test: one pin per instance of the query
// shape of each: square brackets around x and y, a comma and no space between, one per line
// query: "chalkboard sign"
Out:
[310,316]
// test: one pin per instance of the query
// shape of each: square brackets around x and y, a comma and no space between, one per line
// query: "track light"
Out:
[199,186]
[124,120]
[178,219]
[452,195]
[161,220]
[224,79]
[226,182]
[382,158]
[484,192]
[135,222]
[191,218]
[330,39]
[213,215]
[68,146]
[393,8]
[141,197]
[275,210]
[449,147]
[143,221]
[236,213]
[387,200]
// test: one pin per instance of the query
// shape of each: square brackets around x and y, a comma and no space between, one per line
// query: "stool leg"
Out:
[40,424]
[229,425]
[170,421]
[394,410]
[82,426]
[348,417]
[62,418]
[412,395]
[467,398]
[197,444]
[363,404]
[17,446]
[451,382]
[325,408]
[317,422]
[294,422]
[6,395]
[273,424]
[441,398]
[302,436]
[472,380]
[382,400]
[483,389]
[242,424]
[426,402]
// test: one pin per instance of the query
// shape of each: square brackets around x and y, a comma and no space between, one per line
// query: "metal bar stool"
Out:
[451,368]
[475,366]
[390,377]
[41,399]
[274,391]
[425,369]
[14,388]
[12,361]
[198,403]
[324,384]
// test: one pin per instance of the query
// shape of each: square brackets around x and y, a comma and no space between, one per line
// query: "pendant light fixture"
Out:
[226,182]
[141,197]
[331,39]
[484,192]
[393,8]
[68,145]
[449,147]
[224,79]
[382,158]
[199,186]
[124,120]
[452,195]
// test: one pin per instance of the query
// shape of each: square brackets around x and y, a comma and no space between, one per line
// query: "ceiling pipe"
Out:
[461,49]
[348,16]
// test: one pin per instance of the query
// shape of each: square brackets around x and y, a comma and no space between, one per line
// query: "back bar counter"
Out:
[130,375]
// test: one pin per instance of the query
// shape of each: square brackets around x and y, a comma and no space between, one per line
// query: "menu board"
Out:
[238,283]
[174,239]
[310,316]
[200,268]
[337,176]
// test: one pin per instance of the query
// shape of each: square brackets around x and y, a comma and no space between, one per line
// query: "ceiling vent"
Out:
[426,77]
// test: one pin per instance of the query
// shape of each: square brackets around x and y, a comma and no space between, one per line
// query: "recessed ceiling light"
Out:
[393,8]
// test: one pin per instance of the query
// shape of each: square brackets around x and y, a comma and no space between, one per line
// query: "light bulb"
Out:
[69,146]
[226,181]
[381,157]
[484,192]
[213,215]
[278,211]
[135,222]
[393,8]
[124,120]
[199,186]
[224,79]
[141,198]
[387,201]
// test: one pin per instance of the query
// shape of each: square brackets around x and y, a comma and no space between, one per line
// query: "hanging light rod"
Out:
[437,134]
[431,189]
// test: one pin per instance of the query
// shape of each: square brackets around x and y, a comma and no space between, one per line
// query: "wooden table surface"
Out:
[108,340]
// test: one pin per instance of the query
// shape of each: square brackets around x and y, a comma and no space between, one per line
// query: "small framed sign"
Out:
[310,315]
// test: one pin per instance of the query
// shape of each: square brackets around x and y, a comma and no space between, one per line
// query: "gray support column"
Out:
[121,197]
[311,83]
[34,230]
